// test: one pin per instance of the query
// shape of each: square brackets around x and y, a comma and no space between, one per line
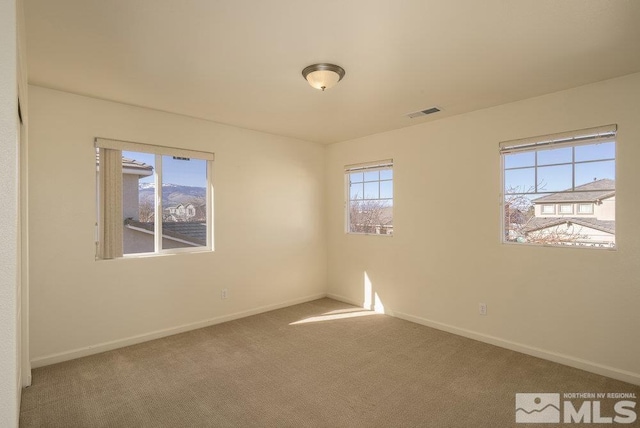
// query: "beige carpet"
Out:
[360,369]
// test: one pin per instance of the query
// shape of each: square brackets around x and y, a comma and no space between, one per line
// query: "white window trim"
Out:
[564,139]
[591,209]
[364,167]
[567,139]
[160,151]
[553,209]
[565,205]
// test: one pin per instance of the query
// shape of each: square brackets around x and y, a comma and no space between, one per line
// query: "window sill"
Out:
[369,234]
[153,255]
[581,247]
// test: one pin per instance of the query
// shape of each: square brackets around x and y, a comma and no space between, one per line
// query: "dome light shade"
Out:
[323,76]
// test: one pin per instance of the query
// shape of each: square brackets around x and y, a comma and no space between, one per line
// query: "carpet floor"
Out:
[317,364]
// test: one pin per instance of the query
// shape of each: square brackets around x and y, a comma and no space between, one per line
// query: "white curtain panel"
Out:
[111,219]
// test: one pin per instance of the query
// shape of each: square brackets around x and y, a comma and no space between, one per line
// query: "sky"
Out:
[371,184]
[181,172]
[592,162]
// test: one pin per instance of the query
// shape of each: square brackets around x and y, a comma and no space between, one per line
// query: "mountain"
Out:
[173,194]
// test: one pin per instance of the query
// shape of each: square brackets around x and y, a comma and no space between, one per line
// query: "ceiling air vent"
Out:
[422,112]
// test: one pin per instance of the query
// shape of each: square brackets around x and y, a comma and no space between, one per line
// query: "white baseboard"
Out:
[567,360]
[132,340]
[370,307]
[625,376]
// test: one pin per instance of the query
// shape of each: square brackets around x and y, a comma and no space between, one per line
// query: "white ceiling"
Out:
[239,62]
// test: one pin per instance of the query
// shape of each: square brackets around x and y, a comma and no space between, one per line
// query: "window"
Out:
[152,199]
[566,209]
[545,177]
[585,209]
[370,198]
[548,209]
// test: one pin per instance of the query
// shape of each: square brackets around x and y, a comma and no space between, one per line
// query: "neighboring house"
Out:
[180,212]
[585,216]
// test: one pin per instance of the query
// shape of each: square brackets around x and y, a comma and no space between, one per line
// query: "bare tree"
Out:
[370,216]
[559,235]
[518,211]
[146,211]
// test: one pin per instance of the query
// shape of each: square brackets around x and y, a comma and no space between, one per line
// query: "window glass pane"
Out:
[548,209]
[371,190]
[386,189]
[356,191]
[371,175]
[562,155]
[555,178]
[596,151]
[356,177]
[516,160]
[138,202]
[566,209]
[184,197]
[519,180]
[594,171]
[585,208]
[386,174]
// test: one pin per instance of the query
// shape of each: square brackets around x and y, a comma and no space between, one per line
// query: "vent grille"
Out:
[422,112]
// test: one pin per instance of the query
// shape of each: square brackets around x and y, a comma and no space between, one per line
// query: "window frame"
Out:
[590,136]
[553,209]
[565,205]
[157,233]
[591,209]
[160,151]
[383,165]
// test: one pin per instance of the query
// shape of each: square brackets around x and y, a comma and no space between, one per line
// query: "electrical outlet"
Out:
[483,309]
[223,293]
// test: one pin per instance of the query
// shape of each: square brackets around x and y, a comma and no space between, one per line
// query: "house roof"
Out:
[131,166]
[134,165]
[193,232]
[538,223]
[590,192]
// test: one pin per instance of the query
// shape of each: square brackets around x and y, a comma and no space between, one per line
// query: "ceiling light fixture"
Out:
[323,76]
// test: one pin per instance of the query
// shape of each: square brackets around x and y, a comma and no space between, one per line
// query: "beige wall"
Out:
[577,306]
[269,229]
